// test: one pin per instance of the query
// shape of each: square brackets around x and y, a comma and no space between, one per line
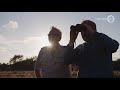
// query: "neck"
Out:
[54,48]
[92,38]
[55,45]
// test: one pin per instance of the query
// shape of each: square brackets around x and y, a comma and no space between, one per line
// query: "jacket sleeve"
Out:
[109,43]
[68,55]
[71,55]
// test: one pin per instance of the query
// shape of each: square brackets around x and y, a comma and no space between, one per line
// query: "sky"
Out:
[26,33]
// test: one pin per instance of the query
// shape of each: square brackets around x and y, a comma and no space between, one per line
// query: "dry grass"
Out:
[17,74]
[31,74]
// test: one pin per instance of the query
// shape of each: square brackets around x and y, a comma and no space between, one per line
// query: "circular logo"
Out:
[110,19]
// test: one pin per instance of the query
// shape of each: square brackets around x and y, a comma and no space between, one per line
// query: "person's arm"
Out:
[37,67]
[68,56]
[109,43]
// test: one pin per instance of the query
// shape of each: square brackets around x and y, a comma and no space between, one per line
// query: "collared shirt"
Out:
[52,65]
[93,58]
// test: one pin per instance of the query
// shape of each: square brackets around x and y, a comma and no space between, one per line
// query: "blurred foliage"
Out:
[116,65]
[18,63]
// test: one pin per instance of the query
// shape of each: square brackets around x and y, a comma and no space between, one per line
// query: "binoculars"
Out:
[78,28]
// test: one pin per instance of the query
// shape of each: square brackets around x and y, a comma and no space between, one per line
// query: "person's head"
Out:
[54,35]
[90,30]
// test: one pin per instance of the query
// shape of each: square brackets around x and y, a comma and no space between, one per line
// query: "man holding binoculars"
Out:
[94,57]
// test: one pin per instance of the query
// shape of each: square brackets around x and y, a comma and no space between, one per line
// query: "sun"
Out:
[44,41]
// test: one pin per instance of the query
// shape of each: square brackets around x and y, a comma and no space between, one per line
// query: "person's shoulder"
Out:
[102,35]
[80,46]
[45,48]
[64,47]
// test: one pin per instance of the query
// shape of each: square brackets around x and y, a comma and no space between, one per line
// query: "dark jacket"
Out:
[93,58]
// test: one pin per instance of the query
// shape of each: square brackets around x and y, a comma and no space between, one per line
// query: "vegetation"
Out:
[18,63]
[17,74]
[24,68]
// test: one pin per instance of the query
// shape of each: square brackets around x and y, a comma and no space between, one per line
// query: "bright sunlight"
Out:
[44,41]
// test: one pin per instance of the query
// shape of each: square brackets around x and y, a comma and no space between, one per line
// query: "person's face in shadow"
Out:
[87,34]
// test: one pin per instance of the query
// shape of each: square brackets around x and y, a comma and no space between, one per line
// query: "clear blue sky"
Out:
[26,32]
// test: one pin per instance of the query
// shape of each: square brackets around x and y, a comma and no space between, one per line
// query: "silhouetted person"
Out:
[94,57]
[50,61]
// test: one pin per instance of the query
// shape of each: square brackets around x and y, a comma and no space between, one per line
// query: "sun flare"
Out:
[45,42]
